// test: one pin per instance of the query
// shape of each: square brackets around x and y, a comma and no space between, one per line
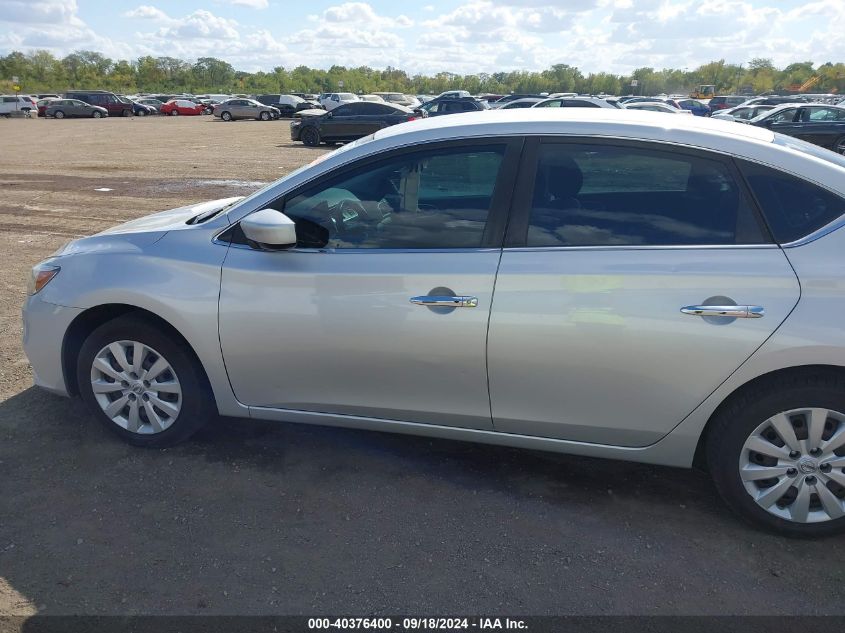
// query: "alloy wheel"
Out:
[793,465]
[136,387]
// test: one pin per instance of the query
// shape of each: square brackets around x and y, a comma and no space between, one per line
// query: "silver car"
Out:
[232,109]
[591,281]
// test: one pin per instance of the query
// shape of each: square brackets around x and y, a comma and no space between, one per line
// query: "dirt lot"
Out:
[259,518]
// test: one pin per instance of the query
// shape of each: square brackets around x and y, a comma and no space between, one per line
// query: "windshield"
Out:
[296,172]
[347,96]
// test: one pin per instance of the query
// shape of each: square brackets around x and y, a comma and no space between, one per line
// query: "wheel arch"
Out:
[86,322]
[699,458]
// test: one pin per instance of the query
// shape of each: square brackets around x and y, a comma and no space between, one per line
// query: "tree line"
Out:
[40,71]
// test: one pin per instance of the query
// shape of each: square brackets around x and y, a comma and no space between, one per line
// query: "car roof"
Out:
[581,122]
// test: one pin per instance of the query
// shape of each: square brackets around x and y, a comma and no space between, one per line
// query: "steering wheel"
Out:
[344,208]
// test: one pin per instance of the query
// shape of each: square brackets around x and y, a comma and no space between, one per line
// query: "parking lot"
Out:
[269,518]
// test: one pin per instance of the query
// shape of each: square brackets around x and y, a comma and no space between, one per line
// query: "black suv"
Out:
[102,98]
[437,107]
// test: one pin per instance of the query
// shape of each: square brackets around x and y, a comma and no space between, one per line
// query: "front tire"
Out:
[310,137]
[264,116]
[97,115]
[839,146]
[59,114]
[226,116]
[777,454]
[142,113]
[142,384]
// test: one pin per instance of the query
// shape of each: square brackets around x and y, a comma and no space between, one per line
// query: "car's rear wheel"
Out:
[264,116]
[839,146]
[59,114]
[310,137]
[777,454]
[142,384]
[97,114]
[174,113]
[226,116]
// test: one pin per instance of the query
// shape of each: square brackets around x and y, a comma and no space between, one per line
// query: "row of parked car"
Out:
[819,123]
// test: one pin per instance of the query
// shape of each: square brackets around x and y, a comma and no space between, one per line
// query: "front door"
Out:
[382,308]
[607,322]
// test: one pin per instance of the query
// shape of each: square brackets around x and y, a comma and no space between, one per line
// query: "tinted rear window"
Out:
[604,195]
[793,207]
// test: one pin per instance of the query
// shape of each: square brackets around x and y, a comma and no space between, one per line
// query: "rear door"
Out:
[354,320]
[613,251]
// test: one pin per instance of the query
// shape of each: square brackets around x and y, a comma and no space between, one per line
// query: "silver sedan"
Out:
[591,281]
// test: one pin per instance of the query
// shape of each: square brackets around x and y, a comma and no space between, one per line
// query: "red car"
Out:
[182,106]
[42,104]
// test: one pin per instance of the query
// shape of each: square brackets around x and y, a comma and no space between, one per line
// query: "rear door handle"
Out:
[730,312]
[440,301]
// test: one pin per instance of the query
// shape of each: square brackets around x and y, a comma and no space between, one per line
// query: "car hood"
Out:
[146,230]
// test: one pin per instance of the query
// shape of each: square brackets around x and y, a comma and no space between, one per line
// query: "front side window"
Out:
[432,199]
[557,103]
[793,207]
[784,116]
[606,195]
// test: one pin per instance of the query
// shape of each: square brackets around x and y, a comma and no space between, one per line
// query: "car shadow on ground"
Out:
[265,517]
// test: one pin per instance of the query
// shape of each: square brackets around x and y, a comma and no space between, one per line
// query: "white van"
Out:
[331,100]
[15,103]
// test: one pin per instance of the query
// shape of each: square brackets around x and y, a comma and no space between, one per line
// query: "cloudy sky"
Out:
[428,36]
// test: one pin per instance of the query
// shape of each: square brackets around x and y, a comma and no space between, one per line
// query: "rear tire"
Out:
[161,427]
[310,137]
[174,113]
[773,415]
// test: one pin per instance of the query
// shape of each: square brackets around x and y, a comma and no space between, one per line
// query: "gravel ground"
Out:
[267,518]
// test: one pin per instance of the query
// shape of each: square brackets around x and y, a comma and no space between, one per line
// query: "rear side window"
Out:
[793,207]
[607,195]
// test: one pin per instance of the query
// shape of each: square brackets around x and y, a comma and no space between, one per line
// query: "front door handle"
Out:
[440,301]
[731,312]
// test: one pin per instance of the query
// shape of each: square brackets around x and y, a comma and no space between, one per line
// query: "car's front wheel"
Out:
[97,114]
[264,116]
[226,116]
[310,136]
[143,384]
[142,113]
[59,114]
[777,454]
[839,145]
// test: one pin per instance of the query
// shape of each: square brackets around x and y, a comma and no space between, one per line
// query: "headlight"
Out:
[40,276]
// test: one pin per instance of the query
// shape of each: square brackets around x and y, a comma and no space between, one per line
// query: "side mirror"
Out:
[269,230]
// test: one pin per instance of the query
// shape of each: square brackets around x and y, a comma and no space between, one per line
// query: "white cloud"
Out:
[147,12]
[252,4]
[40,12]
